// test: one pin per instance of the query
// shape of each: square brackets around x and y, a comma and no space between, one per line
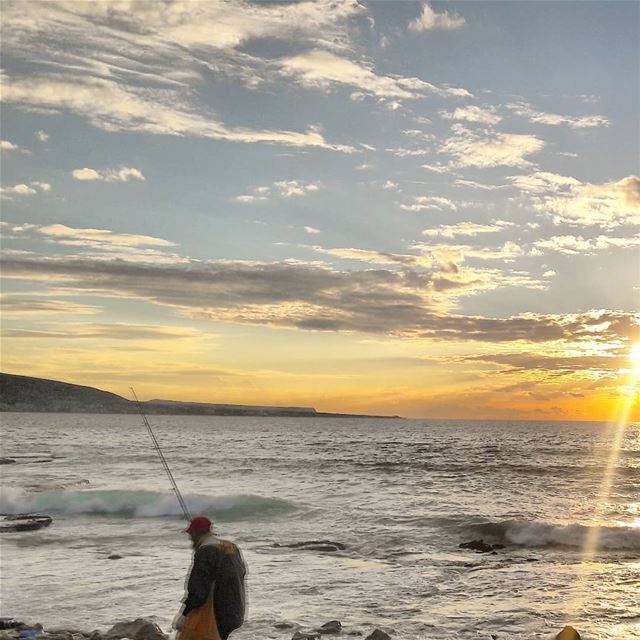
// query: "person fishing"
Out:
[216,598]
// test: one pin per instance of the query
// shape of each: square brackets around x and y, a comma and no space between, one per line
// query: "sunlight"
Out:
[617,431]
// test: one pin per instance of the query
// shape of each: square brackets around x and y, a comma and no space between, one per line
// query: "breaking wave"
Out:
[142,504]
[541,534]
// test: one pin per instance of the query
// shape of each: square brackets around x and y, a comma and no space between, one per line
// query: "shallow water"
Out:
[400,494]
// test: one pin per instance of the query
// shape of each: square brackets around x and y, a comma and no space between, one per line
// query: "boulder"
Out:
[568,633]
[480,546]
[139,629]
[331,627]
[378,634]
[10,623]
[314,545]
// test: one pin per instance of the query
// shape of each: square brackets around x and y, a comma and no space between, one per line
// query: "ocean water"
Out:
[400,494]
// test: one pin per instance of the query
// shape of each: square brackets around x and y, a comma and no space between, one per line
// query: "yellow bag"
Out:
[201,623]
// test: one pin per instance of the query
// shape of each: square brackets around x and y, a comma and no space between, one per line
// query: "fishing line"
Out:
[165,464]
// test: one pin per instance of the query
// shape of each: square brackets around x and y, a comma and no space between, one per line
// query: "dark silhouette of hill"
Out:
[38,395]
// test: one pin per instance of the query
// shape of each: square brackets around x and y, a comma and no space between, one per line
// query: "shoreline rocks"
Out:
[147,629]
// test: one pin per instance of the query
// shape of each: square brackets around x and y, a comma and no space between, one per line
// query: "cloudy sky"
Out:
[395,207]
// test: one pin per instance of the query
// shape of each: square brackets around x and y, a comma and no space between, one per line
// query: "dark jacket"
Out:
[218,564]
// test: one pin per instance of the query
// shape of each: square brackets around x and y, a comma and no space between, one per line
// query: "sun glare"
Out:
[635,355]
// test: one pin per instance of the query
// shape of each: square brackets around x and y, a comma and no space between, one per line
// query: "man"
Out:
[215,602]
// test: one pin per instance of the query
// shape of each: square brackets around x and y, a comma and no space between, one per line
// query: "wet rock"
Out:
[378,634]
[331,627]
[10,623]
[568,633]
[284,625]
[96,635]
[480,546]
[24,521]
[139,629]
[301,635]
[114,556]
[314,545]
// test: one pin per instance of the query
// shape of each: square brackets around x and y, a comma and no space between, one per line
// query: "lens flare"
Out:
[615,434]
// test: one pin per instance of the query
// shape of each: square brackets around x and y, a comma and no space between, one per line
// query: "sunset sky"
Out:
[429,210]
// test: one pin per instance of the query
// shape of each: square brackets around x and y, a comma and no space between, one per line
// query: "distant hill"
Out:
[24,393]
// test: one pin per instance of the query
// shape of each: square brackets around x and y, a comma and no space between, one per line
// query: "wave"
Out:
[541,534]
[142,504]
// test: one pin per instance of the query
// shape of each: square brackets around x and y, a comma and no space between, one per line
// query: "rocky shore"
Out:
[147,629]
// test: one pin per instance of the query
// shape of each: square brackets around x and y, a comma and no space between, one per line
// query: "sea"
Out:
[400,495]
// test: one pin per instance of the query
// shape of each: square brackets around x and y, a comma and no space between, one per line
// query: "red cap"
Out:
[200,523]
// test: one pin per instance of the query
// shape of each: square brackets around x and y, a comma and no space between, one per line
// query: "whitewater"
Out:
[400,495]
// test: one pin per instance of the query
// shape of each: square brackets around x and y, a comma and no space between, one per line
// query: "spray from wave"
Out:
[541,534]
[142,504]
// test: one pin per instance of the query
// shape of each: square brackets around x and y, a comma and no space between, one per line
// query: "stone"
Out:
[568,633]
[331,627]
[139,629]
[378,634]
[284,625]
[480,546]
[10,623]
[301,635]
[315,545]
[114,556]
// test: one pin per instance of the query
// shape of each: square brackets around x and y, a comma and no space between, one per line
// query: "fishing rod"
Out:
[165,464]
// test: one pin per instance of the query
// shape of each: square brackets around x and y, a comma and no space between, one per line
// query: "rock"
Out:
[315,545]
[568,633]
[114,556]
[24,522]
[480,546]
[284,625]
[10,623]
[333,626]
[7,461]
[139,629]
[300,635]
[378,634]
[95,635]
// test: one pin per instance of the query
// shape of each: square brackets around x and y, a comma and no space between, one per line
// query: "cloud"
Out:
[5,145]
[568,364]
[576,122]
[577,245]
[318,69]
[437,168]
[431,20]
[479,185]
[123,174]
[42,136]
[311,297]
[103,331]
[311,230]
[569,201]
[489,148]
[118,107]
[21,305]
[23,189]
[425,203]
[451,231]
[99,237]
[279,189]
[484,115]
[449,257]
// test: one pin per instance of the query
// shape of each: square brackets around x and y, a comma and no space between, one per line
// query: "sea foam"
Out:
[141,504]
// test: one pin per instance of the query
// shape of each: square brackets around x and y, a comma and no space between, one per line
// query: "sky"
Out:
[391,207]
